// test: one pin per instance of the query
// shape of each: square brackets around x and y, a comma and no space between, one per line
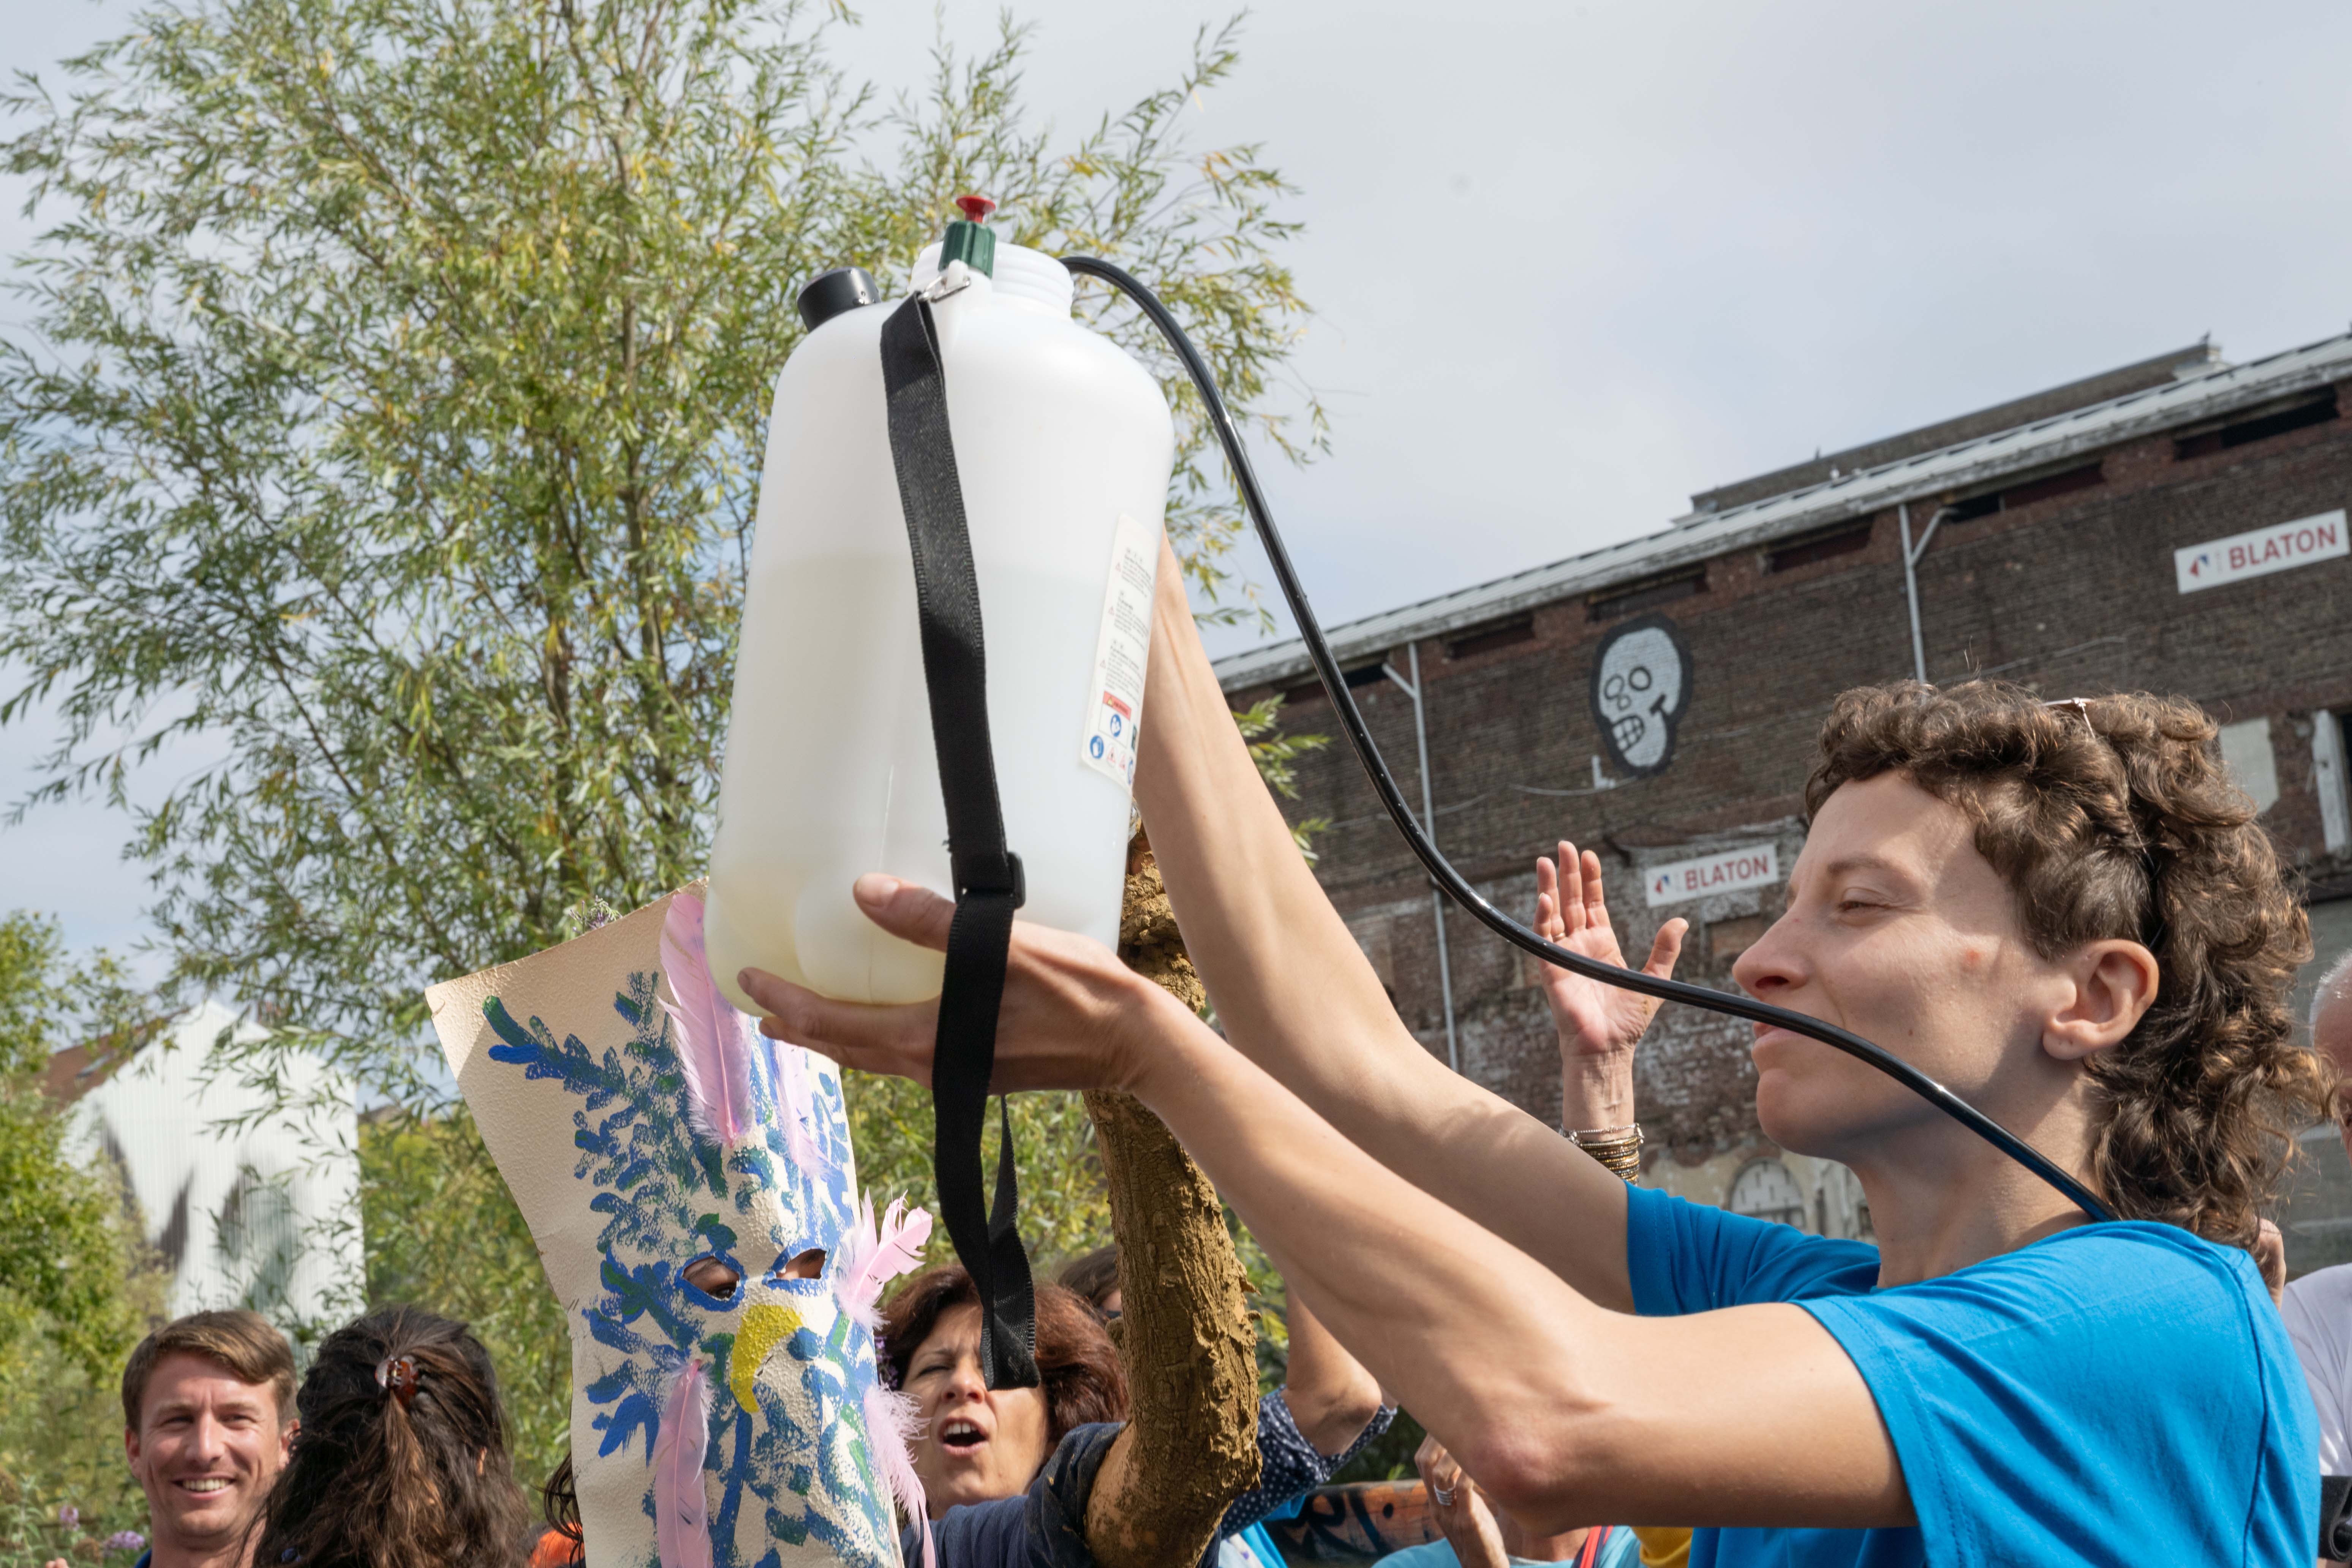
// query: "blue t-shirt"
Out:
[1619,1548]
[2115,1394]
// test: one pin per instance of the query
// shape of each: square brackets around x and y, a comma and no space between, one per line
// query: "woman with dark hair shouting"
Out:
[2064,912]
[1010,1447]
[977,1443]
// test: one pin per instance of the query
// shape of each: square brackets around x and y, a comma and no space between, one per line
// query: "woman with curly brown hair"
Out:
[2063,912]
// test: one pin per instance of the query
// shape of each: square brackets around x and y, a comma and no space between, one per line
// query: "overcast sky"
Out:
[1571,263]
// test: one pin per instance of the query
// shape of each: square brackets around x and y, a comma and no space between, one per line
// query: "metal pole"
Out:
[1911,591]
[1911,579]
[1429,829]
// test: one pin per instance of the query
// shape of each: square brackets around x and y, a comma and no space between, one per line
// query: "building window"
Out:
[1505,633]
[2060,484]
[2331,745]
[1633,598]
[1764,1190]
[1361,676]
[2251,762]
[2316,1210]
[2331,939]
[2065,483]
[1840,1208]
[2301,416]
[1844,540]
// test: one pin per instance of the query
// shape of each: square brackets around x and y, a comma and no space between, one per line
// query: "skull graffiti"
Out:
[1641,686]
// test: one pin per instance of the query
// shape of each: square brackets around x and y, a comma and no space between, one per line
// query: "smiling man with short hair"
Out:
[209,1420]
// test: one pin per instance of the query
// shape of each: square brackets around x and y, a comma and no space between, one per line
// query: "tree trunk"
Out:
[1191,1445]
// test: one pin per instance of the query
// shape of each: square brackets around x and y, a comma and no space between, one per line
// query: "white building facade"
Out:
[247,1202]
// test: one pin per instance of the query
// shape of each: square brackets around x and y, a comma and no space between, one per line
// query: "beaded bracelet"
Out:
[1618,1148]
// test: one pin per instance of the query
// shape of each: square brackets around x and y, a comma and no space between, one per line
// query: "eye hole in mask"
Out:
[713,1277]
[809,1265]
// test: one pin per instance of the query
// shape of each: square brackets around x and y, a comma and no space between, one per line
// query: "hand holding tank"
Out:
[1063,445]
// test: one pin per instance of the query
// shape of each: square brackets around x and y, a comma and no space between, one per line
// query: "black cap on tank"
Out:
[828,294]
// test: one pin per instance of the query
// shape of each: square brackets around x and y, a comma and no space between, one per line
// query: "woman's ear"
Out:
[2113,986]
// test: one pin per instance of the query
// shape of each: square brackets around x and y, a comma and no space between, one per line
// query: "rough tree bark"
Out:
[1191,1445]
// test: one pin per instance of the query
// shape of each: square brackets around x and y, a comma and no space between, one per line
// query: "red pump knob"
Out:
[975,208]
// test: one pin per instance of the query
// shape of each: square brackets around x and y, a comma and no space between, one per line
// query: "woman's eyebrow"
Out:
[1846,864]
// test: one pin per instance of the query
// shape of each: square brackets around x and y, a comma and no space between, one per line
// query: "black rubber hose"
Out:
[1443,874]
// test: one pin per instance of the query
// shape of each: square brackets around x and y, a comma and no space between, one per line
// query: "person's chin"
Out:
[1793,1112]
[964,1483]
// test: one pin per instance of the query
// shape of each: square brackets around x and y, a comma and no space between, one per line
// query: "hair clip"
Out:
[396,1376]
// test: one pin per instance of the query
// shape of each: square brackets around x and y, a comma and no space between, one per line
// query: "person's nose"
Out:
[1770,967]
[965,1385]
[207,1439]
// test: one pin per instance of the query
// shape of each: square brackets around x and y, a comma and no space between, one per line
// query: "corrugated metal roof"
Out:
[1699,535]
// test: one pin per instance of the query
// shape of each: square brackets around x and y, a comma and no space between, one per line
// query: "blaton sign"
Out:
[2278,548]
[1726,871]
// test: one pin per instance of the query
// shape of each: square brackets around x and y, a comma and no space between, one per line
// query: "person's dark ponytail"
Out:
[401,1461]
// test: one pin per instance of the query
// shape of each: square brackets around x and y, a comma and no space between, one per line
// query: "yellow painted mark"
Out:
[765,1327]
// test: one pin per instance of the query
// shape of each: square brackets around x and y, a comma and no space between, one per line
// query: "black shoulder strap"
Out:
[988,885]
[2336,1517]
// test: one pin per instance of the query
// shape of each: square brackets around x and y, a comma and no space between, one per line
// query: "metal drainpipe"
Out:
[1429,826]
[1911,578]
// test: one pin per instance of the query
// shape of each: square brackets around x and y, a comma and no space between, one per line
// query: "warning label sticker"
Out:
[1115,703]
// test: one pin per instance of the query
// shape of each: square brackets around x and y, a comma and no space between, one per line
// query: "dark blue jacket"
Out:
[1045,1527]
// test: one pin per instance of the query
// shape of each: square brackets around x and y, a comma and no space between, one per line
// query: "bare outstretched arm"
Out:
[1297,995]
[1566,1412]
[1463,1252]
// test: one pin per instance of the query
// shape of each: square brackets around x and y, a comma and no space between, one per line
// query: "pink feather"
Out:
[796,1102]
[681,1516]
[714,1043]
[892,1422]
[872,1257]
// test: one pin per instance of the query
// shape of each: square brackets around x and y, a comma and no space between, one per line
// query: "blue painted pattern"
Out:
[801,1470]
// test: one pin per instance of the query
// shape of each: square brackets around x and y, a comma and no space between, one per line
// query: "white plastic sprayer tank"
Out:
[1064,445]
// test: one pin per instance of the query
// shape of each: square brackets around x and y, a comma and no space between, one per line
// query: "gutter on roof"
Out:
[1699,536]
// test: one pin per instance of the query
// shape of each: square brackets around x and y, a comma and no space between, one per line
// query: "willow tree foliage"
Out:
[77,1283]
[387,413]
[380,422]
[60,1221]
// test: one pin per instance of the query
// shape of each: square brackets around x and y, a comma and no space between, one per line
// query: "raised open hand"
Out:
[1593,1019]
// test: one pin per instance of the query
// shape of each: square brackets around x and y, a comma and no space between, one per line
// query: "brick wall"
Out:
[2071,594]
